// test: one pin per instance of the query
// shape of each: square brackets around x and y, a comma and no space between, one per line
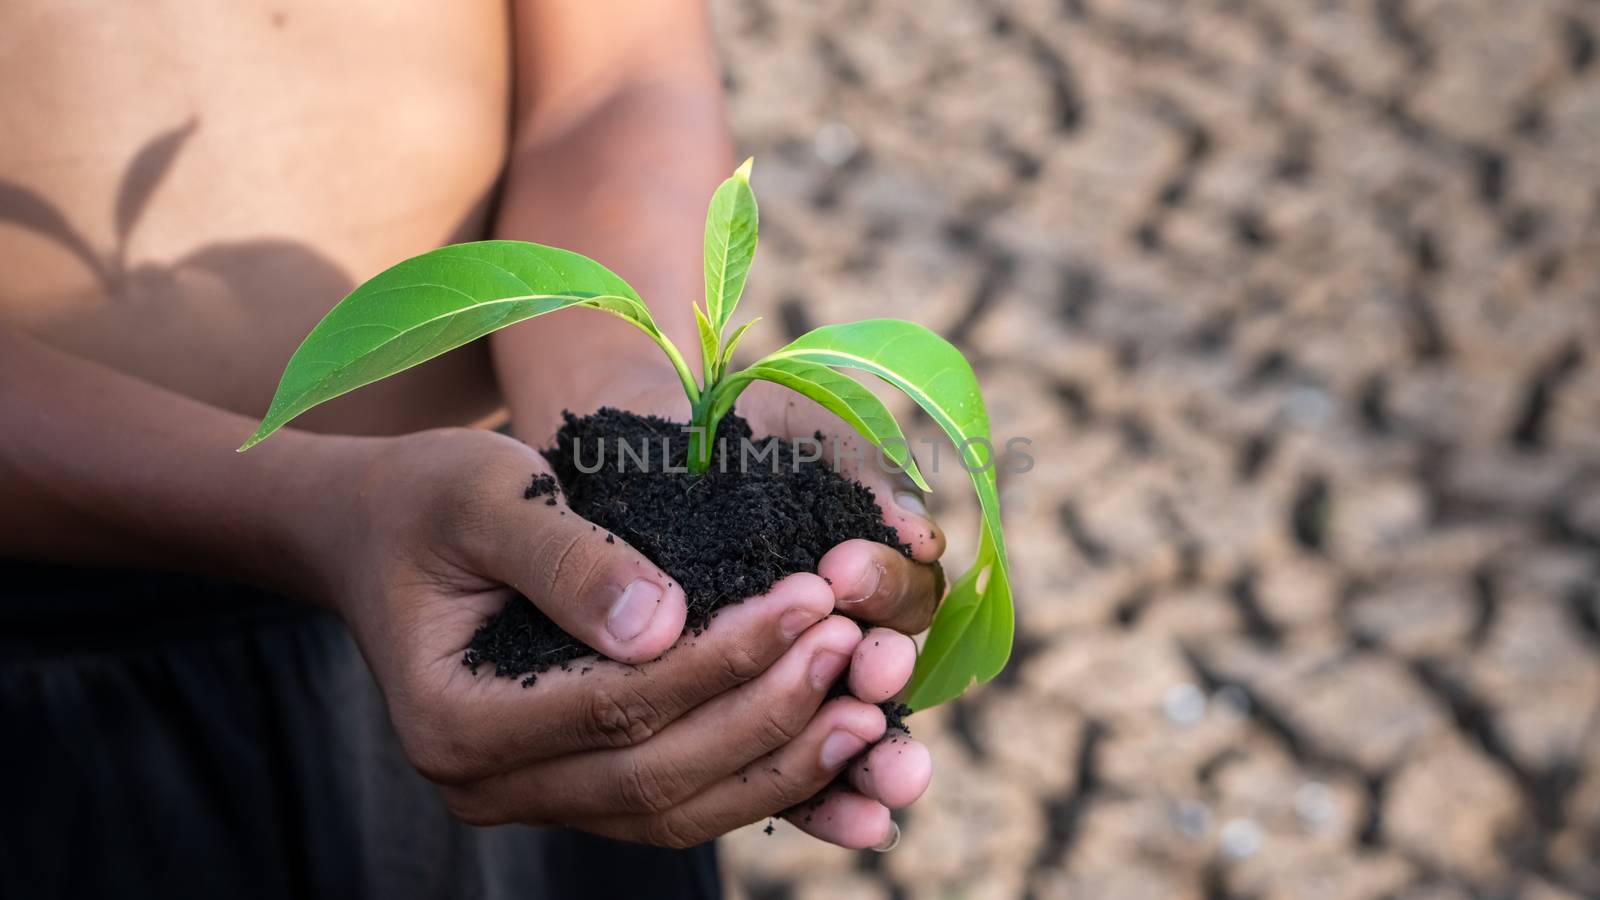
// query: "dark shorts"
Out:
[168,736]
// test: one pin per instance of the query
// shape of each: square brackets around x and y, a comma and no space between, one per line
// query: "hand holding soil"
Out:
[871,581]
[715,739]
[684,738]
[441,300]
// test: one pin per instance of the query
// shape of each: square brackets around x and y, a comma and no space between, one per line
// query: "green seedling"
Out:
[440,300]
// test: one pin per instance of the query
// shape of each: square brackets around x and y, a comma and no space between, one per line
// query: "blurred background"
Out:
[1298,302]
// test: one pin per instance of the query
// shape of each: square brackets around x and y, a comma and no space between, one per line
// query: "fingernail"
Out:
[866,585]
[839,748]
[634,610]
[826,667]
[911,502]
[791,623]
[892,841]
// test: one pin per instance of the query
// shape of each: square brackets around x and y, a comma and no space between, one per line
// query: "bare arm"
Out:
[410,539]
[414,540]
[101,468]
[619,140]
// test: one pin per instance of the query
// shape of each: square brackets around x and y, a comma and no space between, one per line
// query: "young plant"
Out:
[440,300]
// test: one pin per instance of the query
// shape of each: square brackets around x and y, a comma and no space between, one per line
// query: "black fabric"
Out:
[167,736]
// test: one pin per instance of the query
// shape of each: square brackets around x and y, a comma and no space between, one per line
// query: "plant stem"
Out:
[702,436]
[714,403]
[684,374]
[699,403]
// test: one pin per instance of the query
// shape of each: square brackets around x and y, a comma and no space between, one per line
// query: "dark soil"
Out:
[724,536]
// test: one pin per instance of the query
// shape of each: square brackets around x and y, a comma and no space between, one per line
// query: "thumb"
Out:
[594,585]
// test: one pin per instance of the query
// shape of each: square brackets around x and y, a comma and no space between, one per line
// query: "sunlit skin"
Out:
[307,166]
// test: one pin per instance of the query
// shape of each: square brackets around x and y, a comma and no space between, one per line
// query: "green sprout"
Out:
[438,301]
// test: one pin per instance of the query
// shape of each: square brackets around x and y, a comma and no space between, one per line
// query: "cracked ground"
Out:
[1299,304]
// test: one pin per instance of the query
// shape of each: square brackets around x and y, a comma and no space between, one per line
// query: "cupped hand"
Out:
[681,739]
[871,583]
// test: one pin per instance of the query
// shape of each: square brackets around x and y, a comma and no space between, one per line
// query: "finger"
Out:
[905,509]
[875,583]
[708,743]
[902,503]
[894,772]
[848,819]
[483,726]
[591,583]
[881,665]
[843,728]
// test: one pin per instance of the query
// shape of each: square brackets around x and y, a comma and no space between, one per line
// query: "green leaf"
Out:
[969,625]
[839,394]
[738,335]
[731,222]
[434,303]
[708,346]
[971,635]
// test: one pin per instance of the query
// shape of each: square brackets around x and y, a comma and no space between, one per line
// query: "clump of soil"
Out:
[726,535]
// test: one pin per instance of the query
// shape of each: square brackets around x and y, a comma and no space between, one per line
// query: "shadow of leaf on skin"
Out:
[201,320]
[144,174]
[246,268]
[21,206]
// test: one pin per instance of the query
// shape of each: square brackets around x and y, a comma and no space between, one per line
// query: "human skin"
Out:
[628,178]
[112,452]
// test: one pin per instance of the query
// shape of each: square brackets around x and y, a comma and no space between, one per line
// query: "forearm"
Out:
[100,468]
[619,170]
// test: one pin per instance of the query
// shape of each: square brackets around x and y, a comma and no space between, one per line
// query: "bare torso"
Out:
[187,187]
